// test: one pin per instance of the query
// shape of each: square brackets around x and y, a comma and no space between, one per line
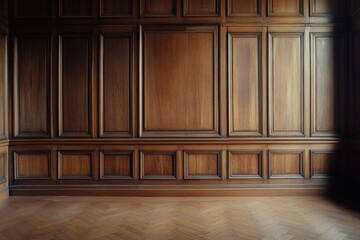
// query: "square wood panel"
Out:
[321,163]
[116,8]
[157,165]
[243,8]
[286,164]
[324,8]
[280,8]
[116,165]
[75,165]
[158,8]
[78,8]
[32,9]
[2,167]
[202,164]
[32,165]
[179,91]
[201,8]
[245,164]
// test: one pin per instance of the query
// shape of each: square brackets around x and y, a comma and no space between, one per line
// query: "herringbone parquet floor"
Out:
[175,218]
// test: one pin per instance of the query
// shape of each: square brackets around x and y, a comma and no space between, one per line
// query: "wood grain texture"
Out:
[319,8]
[179,90]
[321,162]
[241,8]
[201,8]
[326,76]
[32,165]
[32,9]
[75,165]
[3,167]
[116,68]
[245,164]
[245,73]
[75,85]
[78,8]
[202,165]
[116,8]
[157,165]
[116,165]
[286,164]
[286,76]
[3,85]
[161,8]
[285,8]
[32,86]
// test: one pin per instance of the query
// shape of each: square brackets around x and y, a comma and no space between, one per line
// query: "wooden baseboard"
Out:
[169,191]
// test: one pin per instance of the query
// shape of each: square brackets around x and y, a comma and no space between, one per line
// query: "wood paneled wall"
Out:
[179,91]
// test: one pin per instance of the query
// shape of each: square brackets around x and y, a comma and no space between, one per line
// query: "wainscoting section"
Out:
[180,97]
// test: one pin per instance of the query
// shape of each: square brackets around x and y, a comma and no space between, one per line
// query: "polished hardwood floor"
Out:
[217,218]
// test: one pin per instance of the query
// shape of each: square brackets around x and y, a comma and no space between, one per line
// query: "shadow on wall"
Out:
[344,183]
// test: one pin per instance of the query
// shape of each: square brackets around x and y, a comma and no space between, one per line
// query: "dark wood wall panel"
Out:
[244,7]
[3,85]
[32,165]
[245,164]
[286,76]
[116,70]
[321,163]
[75,86]
[157,165]
[78,8]
[245,65]
[116,8]
[202,164]
[33,8]
[354,6]
[326,8]
[286,164]
[75,165]
[356,83]
[162,8]
[32,86]
[3,161]
[285,8]
[201,8]
[169,72]
[116,165]
[326,74]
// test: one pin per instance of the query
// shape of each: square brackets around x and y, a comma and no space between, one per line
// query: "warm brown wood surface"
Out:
[176,218]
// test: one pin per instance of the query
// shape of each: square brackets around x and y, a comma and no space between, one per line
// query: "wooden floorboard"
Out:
[219,218]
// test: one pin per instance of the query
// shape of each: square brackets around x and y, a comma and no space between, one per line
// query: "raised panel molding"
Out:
[157,165]
[324,8]
[326,76]
[75,86]
[245,164]
[169,72]
[32,9]
[158,8]
[3,85]
[117,165]
[286,84]
[321,162]
[244,8]
[245,84]
[32,86]
[202,164]
[3,167]
[78,8]
[116,74]
[116,8]
[279,8]
[286,164]
[32,165]
[75,165]
[201,8]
